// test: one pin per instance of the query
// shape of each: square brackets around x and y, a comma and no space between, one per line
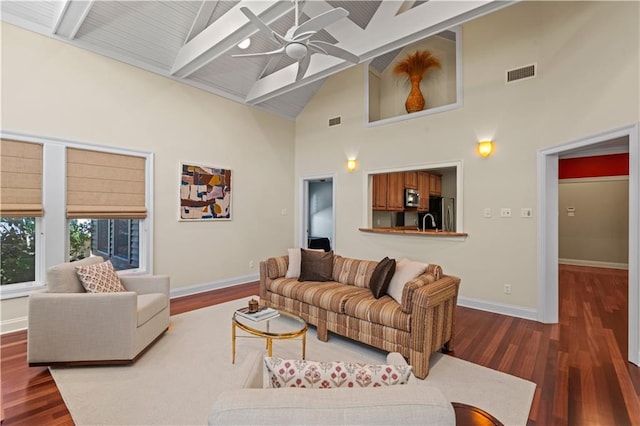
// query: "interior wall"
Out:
[594,221]
[568,100]
[52,89]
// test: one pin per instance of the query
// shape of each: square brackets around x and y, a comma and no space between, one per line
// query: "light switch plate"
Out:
[526,212]
[487,212]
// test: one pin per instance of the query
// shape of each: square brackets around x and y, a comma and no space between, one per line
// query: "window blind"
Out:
[102,185]
[20,179]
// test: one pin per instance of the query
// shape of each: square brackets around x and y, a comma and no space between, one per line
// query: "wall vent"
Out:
[521,73]
[334,121]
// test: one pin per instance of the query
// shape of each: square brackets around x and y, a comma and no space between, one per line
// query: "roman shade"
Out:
[102,185]
[20,179]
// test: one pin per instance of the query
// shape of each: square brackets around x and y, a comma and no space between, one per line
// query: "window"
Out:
[115,239]
[108,191]
[17,250]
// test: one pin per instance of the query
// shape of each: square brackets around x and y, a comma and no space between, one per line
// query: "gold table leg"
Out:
[233,342]
[269,346]
[304,345]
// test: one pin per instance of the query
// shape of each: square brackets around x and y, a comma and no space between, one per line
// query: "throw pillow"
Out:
[100,278]
[315,374]
[293,269]
[406,270]
[382,277]
[316,266]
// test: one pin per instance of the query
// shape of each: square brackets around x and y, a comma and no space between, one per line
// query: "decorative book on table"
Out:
[264,313]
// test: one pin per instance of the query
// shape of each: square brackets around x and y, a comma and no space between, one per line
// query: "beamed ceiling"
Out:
[193,41]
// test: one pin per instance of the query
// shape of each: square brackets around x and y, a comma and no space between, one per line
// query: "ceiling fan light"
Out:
[296,51]
[244,43]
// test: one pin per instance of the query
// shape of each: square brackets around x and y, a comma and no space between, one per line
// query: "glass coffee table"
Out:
[284,326]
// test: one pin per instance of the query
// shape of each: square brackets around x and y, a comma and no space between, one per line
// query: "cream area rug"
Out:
[177,380]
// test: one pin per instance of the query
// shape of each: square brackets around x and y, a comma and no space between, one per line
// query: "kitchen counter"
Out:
[411,230]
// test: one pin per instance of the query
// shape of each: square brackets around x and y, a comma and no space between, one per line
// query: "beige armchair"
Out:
[68,326]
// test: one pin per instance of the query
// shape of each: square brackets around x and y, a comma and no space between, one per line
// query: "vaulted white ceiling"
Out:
[193,41]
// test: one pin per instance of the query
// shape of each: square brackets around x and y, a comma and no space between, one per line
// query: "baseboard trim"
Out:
[13,324]
[215,285]
[593,263]
[499,308]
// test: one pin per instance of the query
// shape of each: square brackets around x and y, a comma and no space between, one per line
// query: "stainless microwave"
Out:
[411,197]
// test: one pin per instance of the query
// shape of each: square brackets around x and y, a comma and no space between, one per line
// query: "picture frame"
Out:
[205,193]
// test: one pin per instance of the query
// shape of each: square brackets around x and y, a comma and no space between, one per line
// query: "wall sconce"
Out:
[351,165]
[485,148]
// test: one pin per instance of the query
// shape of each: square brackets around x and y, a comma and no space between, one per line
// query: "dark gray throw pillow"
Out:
[315,265]
[381,277]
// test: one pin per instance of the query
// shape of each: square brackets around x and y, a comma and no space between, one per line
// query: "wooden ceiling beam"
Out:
[69,17]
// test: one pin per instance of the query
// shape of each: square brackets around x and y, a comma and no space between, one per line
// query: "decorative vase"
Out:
[415,100]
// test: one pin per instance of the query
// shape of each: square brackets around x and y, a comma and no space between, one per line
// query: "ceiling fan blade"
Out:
[271,66]
[304,36]
[247,55]
[264,28]
[303,65]
[334,50]
[321,21]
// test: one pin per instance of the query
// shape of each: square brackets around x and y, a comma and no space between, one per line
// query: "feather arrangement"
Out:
[417,64]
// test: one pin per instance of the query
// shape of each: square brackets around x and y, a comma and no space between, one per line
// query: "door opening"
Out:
[548,205]
[318,213]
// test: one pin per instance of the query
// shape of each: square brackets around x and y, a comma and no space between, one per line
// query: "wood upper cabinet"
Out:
[395,192]
[380,189]
[411,180]
[423,188]
[435,184]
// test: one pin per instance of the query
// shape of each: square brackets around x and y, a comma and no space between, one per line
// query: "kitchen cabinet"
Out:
[411,180]
[380,189]
[395,192]
[435,184]
[423,188]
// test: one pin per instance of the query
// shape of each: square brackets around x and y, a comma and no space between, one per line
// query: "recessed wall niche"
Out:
[441,87]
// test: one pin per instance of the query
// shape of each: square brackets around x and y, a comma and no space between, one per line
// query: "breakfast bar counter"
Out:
[407,230]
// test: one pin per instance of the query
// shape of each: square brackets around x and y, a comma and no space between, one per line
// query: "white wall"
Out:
[587,56]
[52,89]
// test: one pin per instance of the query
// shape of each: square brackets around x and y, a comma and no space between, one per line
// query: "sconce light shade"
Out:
[485,148]
[351,165]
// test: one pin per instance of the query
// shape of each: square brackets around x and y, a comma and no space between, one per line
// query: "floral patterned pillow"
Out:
[100,278]
[314,374]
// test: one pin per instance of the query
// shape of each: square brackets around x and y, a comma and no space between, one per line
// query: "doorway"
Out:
[318,213]
[548,250]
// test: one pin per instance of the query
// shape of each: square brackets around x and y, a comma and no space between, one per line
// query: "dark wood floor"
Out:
[579,364]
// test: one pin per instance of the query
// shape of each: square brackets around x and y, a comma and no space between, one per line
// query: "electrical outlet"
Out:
[526,212]
[251,264]
[487,212]
[505,212]
[507,289]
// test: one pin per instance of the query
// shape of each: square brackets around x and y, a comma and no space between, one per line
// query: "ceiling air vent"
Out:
[521,73]
[334,121]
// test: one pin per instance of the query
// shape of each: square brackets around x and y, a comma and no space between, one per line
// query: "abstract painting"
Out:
[205,193]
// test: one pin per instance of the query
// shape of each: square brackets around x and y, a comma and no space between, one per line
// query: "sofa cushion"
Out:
[100,278]
[381,277]
[149,305]
[63,278]
[316,266]
[406,270]
[384,311]
[283,373]
[353,271]
[326,295]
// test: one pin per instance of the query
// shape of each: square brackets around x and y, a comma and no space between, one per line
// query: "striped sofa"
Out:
[421,325]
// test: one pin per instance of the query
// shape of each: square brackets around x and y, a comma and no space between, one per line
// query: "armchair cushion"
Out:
[100,278]
[149,305]
[64,279]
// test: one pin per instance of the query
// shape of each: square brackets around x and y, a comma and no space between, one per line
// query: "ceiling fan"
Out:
[297,43]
